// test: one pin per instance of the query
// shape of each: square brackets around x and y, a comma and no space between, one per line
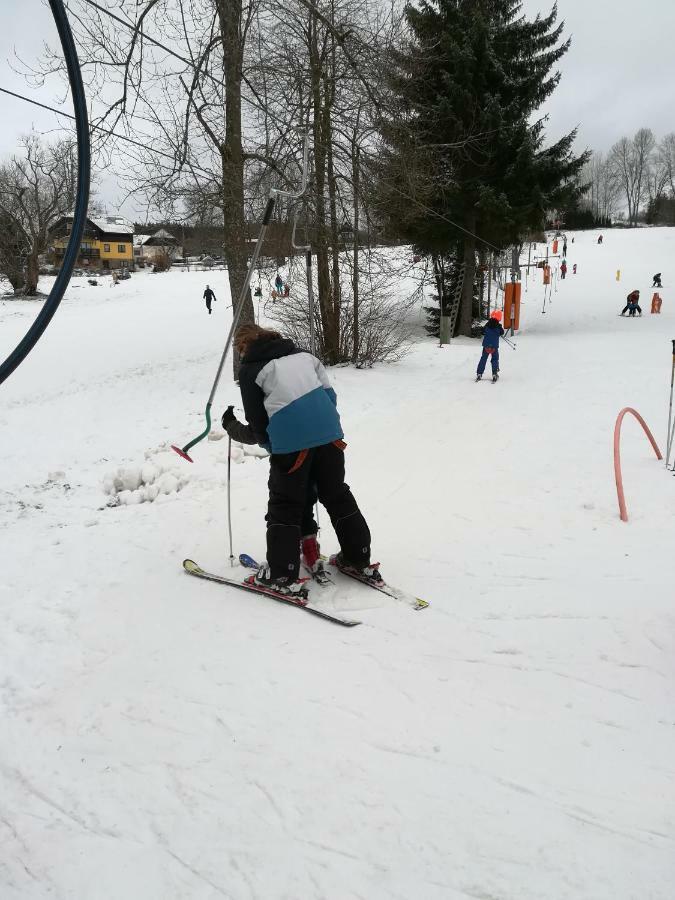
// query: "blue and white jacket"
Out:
[288,399]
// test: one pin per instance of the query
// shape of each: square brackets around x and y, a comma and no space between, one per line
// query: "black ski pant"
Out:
[208,305]
[631,310]
[295,480]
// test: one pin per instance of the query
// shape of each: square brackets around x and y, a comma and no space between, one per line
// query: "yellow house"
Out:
[107,242]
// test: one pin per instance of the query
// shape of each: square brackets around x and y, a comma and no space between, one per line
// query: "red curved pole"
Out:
[617,455]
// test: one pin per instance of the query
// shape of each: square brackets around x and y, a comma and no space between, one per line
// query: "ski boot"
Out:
[310,556]
[495,378]
[369,573]
[285,586]
[479,377]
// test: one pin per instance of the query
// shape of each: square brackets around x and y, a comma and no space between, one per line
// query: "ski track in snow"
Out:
[170,738]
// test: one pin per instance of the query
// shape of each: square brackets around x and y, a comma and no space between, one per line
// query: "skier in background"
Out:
[291,410]
[493,331]
[600,239]
[209,296]
[632,304]
[657,280]
[565,247]
[563,270]
[574,269]
[279,284]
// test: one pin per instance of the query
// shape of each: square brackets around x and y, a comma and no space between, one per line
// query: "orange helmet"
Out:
[497,314]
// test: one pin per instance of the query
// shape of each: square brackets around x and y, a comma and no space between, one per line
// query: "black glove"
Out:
[228,417]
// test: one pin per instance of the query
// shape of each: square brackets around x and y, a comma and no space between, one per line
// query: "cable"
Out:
[107,131]
[52,302]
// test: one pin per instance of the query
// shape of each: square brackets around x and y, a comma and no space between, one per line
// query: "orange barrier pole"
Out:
[617,455]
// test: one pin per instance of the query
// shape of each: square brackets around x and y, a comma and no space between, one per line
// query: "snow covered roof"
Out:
[162,235]
[114,224]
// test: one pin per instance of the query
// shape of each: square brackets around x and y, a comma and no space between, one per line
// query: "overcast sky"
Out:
[617,77]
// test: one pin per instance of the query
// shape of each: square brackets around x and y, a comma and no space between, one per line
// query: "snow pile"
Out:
[144,484]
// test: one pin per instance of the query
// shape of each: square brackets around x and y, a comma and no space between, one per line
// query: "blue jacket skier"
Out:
[493,331]
[291,410]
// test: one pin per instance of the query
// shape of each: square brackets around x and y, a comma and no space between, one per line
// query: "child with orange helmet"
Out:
[493,331]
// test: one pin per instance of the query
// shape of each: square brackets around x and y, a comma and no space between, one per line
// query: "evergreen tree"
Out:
[462,139]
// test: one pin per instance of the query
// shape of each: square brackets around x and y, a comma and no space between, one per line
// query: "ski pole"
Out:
[229,496]
[510,343]
[670,411]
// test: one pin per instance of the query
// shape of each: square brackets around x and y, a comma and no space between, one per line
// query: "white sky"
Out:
[617,77]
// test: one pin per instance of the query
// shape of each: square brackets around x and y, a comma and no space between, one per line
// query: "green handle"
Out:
[200,437]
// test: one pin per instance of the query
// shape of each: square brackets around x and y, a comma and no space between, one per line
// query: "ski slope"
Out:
[165,737]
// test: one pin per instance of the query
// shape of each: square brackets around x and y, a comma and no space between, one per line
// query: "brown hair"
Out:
[248,333]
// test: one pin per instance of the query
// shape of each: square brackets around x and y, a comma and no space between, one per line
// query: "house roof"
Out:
[163,233]
[113,225]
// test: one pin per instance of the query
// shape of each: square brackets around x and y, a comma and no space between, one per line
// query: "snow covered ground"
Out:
[164,737]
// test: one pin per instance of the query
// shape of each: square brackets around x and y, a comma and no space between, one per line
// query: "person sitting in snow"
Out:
[632,304]
[291,410]
[657,280]
[493,331]
[209,296]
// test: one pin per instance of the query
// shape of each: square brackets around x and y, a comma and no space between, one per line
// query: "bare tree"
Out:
[37,188]
[173,74]
[324,74]
[604,195]
[666,153]
[630,159]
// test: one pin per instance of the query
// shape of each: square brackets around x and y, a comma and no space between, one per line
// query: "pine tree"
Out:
[462,139]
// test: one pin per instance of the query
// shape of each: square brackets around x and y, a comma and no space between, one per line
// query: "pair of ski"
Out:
[248,562]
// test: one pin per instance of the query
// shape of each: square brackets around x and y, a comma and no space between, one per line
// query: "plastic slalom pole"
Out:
[669,446]
[229,496]
[237,310]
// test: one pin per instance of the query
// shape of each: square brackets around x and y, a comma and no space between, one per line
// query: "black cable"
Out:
[52,302]
[108,131]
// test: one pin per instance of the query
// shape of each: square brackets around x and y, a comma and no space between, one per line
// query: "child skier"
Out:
[291,410]
[657,280]
[632,304]
[493,331]
[563,270]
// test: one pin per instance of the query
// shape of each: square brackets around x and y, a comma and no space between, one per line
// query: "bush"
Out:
[162,262]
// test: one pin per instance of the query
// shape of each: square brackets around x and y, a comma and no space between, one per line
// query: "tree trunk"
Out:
[235,243]
[32,275]
[355,273]
[466,307]
[333,350]
[328,338]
